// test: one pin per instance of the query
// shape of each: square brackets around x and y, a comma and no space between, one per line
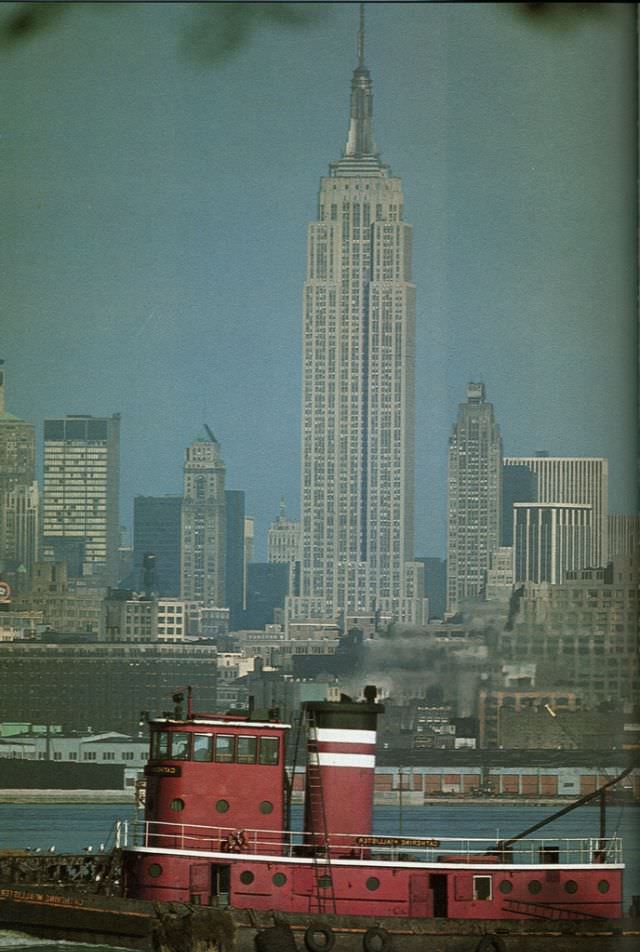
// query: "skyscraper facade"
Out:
[474,497]
[550,540]
[203,533]
[574,479]
[283,546]
[357,479]
[235,571]
[156,531]
[624,534]
[19,499]
[81,488]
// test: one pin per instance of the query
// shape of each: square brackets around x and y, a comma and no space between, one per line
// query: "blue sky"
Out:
[155,215]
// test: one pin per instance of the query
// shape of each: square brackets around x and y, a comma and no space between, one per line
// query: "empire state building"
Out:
[357,473]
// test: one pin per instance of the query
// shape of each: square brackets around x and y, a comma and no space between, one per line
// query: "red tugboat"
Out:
[216,832]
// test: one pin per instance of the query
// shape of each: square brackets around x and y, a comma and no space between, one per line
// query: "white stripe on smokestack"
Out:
[342,760]
[329,735]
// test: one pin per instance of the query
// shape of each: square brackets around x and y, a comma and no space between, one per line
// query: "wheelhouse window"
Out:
[180,746]
[224,748]
[159,745]
[482,887]
[202,747]
[246,750]
[269,750]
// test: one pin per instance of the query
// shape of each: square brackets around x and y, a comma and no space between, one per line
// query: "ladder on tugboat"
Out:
[324,898]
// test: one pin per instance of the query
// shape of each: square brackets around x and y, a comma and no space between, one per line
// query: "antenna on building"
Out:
[209,433]
[361,37]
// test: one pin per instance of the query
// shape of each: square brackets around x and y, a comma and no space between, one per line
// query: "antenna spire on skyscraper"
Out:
[361,37]
[360,137]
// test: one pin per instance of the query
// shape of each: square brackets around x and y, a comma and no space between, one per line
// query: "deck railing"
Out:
[530,851]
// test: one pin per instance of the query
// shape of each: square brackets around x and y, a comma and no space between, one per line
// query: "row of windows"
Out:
[223,748]
[73,755]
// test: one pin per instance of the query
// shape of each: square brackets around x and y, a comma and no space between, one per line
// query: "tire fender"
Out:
[376,939]
[315,944]
[491,943]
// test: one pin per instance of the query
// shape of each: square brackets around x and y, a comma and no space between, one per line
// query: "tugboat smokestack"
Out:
[340,771]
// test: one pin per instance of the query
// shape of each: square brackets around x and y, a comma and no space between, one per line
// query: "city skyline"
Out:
[130,339]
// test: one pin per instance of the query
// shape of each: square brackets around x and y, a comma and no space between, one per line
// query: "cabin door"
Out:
[438,888]
[200,883]
[220,885]
[420,897]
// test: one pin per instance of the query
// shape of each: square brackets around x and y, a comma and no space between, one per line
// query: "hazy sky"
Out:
[155,213]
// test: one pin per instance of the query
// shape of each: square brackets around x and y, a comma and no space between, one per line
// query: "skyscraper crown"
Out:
[360,156]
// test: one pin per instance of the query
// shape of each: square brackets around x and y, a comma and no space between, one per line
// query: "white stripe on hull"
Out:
[371,864]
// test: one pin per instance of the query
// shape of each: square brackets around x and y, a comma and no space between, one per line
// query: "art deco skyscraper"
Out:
[19,503]
[357,480]
[202,556]
[474,497]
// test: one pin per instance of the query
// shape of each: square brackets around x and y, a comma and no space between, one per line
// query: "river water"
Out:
[75,827]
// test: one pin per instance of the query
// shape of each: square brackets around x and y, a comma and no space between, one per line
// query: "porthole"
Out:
[506,886]
[155,870]
[372,883]
[535,886]
[177,805]
[266,806]
[279,879]
[603,886]
[571,886]
[222,806]
[246,877]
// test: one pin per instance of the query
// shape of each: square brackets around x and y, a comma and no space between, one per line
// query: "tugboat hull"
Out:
[176,927]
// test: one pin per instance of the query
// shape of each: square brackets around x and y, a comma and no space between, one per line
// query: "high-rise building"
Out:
[157,531]
[500,575]
[19,500]
[435,584]
[19,527]
[283,546]
[202,556]
[574,479]
[267,585]
[550,540]
[235,571]
[624,534]
[357,480]
[474,497]
[519,484]
[81,488]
